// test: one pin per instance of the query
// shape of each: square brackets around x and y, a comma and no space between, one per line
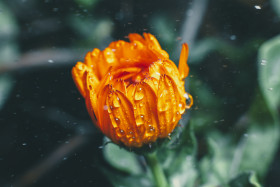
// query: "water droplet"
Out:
[232,37]
[116,102]
[118,121]
[150,145]
[151,128]
[119,132]
[24,143]
[140,119]
[141,104]
[80,66]
[181,107]
[50,61]
[258,7]
[139,94]
[263,62]
[65,158]
[270,89]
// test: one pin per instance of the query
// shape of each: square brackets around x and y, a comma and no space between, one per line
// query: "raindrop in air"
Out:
[50,61]
[233,37]
[263,62]
[24,143]
[258,7]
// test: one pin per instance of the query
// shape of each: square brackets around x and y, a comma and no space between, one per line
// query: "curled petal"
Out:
[183,66]
[79,76]
[136,38]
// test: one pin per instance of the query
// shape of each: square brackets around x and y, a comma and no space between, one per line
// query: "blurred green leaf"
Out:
[206,104]
[215,167]
[92,31]
[247,179]
[87,3]
[179,161]
[119,180]
[8,25]
[121,159]
[276,6]
[260,142]
[269,68]
[214,44]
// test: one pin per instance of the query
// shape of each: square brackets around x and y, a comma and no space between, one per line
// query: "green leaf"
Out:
[276,6]
[247,179]
[119,180]
[269,68]
[180,162]
[121,159]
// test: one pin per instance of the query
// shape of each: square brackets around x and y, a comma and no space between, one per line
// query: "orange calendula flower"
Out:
[134,93]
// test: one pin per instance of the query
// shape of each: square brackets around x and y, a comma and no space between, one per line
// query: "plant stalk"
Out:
[158,174]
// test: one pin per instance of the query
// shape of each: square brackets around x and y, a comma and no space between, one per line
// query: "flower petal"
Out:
[120,112]
[145,112]
[103,118]
[92,61]
[79,76]
[154,45]
[169,105]
[183,66]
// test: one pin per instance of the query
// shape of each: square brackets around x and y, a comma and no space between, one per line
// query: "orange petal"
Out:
[91,92]
[120,85]
[79,77]
[153,44]
[109,56]
[145,112]
[152,82]
[103,118]
[168,105]
[170,69]
[155,69]
[183,66]
[91,60]
[121,114]
[136,37]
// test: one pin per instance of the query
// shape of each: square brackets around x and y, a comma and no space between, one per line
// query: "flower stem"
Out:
[159,177]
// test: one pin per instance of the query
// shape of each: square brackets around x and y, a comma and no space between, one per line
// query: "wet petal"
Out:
[103,118]
[120,85]
[79,77]
[183,66]
[122,118]
[145,111]
[134,37]
[168,105]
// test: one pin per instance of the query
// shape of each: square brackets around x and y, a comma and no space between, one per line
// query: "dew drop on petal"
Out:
[118,121]
[139,94]
[140,120]
[116,102]
[119,132]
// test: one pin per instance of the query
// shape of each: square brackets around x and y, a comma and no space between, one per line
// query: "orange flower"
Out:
[134,93]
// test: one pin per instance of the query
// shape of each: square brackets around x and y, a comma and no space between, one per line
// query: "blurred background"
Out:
[47,137]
